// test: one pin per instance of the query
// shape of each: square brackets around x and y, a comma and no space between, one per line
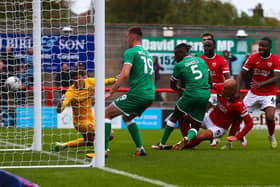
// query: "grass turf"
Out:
[256,164]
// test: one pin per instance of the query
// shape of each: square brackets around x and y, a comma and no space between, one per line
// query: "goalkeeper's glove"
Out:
[59,105]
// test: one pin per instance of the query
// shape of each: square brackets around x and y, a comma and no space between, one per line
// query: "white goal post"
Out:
[37,39]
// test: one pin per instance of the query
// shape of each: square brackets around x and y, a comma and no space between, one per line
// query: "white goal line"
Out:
[24,148]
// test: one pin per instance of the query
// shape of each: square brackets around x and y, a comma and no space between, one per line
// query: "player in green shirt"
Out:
[138,67]
[193,71]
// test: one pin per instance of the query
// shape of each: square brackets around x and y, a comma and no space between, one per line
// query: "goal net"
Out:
[30,126]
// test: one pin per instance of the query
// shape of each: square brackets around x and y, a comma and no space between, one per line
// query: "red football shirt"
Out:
[217,66]
[263,69]
[226,111]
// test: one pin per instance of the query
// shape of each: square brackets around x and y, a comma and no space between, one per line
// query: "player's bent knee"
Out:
[85,128]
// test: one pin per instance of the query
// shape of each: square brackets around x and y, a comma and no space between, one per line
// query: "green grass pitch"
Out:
[254,165]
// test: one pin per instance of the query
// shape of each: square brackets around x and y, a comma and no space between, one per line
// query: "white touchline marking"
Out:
[137,177]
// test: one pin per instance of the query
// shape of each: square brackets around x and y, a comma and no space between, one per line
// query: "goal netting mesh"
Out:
[67,43]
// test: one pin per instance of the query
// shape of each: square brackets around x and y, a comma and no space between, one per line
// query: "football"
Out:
[13,83]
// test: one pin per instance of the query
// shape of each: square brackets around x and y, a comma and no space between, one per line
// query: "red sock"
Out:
[193,143]
[184,125]
[271,128]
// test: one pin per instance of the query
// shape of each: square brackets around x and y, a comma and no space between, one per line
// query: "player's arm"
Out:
[175,82]
[240,81]
[210,82]
[225,69]
[272,80]
[232,57]
[123,76]
[235,127]
[65,100]
[110,81]
[248,65]
[226,75]
[107,81]
[248,126]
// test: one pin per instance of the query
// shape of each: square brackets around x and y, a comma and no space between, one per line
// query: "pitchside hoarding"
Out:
[163,48]
[152,118]
[56,49]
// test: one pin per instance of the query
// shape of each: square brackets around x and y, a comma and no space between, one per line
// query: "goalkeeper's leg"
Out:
[111,137]
[87,130]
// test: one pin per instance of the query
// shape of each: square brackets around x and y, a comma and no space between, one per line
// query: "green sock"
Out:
[192,134]
[135,134]
[166,133]
[107,135]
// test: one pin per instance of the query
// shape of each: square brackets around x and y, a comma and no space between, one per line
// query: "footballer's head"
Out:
[265,46]
[230,88]
[209,48]
[207,36]
[181,51]
[78,76]
[134,36]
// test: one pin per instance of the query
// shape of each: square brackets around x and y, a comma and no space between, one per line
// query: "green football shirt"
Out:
[141,78]
[194,72]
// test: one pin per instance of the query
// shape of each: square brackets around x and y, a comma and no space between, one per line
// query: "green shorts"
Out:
[131,104]
[194,105]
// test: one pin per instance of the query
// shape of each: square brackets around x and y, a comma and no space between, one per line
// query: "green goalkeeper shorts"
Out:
[131,104]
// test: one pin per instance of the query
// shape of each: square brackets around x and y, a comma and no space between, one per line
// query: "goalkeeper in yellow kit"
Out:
[80,96]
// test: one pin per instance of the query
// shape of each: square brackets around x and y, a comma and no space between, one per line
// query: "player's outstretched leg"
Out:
[168,129]
[136,137]
[161,146]
[57,146]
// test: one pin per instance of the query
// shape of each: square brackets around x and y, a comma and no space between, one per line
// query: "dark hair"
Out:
[76,73]
[268,40]
[207,34]
[136,30]
[214,42]
[184,46]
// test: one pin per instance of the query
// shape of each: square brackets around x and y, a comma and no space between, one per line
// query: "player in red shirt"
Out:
[217,121]
[219,70]
[265,68]
[218,66]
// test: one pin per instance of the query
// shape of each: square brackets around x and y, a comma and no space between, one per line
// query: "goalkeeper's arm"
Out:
[60,105]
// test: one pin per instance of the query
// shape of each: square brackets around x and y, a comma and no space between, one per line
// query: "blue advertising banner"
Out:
[56,49]
[25,118]
[150,119]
